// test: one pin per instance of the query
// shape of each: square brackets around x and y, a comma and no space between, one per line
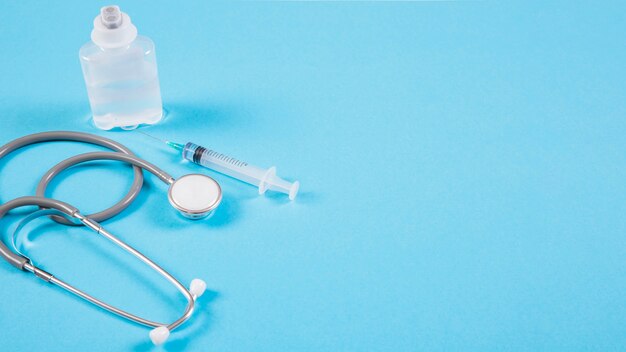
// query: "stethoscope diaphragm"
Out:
[195,195]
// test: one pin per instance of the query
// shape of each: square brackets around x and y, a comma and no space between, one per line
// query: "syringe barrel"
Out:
[264,179]
[223,163]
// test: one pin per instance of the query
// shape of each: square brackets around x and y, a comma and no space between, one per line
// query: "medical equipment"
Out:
[161,331]
[120,72]
[207,193]
[194,195]
[264,179]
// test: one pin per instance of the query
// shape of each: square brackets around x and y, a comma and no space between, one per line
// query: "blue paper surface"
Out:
[462,170]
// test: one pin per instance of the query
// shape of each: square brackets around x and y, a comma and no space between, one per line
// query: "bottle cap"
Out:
[112,28]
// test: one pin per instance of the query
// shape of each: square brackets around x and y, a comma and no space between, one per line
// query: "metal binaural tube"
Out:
[190,299]
[24,263]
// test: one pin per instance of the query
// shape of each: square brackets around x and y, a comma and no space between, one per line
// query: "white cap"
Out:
[112,28]
[159,335]
[197,287]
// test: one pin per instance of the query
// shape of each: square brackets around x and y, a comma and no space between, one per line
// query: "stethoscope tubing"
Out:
[122,204]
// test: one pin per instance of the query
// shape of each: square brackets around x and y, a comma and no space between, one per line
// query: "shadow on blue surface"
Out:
[186,116]
[225,215]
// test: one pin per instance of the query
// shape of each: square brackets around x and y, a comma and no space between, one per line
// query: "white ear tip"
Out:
[159,335]
[197,287]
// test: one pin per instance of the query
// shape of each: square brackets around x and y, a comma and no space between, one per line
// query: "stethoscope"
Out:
[195,196]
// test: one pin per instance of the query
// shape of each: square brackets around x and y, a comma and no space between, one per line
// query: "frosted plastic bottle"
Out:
[120,73]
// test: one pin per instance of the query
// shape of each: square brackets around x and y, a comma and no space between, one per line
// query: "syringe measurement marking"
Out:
[225,158]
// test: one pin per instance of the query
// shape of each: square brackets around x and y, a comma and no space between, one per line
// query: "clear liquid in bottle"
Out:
[120,72]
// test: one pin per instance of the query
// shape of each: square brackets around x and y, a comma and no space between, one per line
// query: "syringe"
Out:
[264,179]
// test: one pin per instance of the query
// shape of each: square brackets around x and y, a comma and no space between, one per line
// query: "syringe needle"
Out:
[153,137]
[176,146]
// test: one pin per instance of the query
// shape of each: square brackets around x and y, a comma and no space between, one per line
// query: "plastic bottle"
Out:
[120,72]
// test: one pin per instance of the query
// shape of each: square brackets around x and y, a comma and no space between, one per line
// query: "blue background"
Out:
[462,168]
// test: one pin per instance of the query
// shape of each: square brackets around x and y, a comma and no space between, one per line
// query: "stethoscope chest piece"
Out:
[195,195]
